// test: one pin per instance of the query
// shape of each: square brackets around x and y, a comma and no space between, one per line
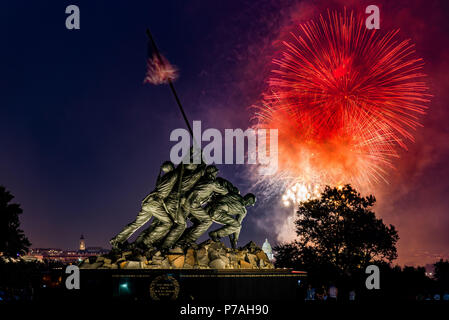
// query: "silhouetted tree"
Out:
[442,273]
[12,239]
[338,230]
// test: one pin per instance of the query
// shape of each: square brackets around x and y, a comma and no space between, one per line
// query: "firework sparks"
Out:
[343,98]
[337,74]
[294,195]
[300,192]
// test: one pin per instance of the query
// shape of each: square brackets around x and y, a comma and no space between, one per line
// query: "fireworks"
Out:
[300,192]
[343,98]
[338,74]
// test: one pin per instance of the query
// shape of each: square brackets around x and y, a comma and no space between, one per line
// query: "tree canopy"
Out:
[442,273]
[338,230]
[12,239]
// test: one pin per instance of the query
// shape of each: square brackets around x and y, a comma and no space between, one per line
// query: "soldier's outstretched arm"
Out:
[241,217]
[195,176]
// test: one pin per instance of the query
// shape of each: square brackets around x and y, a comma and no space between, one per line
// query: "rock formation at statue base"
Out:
[207,255]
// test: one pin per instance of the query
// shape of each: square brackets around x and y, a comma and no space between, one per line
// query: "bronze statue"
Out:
[188,191]
[195,200]
[190,177]
[230,210]
[153,205]
[228,185]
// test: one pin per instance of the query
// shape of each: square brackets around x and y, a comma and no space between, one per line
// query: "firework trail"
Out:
[343,98]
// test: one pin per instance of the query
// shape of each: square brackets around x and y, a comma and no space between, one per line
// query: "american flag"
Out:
[159,72]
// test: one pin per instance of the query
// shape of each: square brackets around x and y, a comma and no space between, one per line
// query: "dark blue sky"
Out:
[82,138]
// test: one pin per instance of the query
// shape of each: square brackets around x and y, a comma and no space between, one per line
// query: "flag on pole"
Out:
[159,70]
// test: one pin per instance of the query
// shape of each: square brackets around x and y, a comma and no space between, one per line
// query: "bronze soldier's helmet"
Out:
[211,171]
[250,199]
[167,166]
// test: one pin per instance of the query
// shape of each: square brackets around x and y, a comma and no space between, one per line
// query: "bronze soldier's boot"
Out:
[214,236]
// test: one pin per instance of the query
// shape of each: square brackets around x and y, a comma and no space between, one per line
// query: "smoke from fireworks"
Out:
[293,196]
[343,99]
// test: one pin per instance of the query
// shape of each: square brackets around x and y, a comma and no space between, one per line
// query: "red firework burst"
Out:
[346,94]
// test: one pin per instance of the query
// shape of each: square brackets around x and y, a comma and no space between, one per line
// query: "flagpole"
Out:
[170,83]
[178,102]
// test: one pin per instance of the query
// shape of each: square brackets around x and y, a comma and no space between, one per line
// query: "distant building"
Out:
[47,252]
[82,244]
[65,256]
[266,247]
[53,254]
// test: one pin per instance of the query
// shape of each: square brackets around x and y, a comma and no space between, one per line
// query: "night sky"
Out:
[82,138]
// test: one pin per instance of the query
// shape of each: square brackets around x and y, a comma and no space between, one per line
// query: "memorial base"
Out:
[192,285]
